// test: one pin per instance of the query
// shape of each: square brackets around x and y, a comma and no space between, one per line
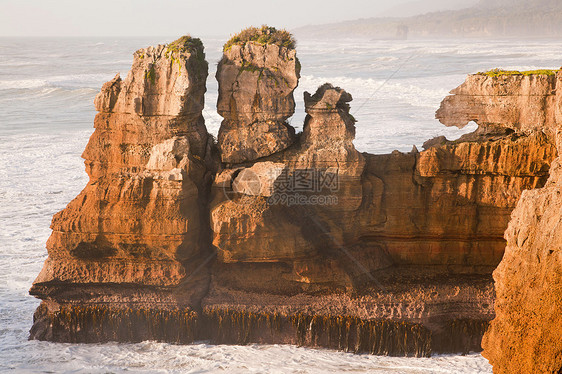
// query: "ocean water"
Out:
[47,87]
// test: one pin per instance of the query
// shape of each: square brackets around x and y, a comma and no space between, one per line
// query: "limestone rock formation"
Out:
[323,163]
[140,217]
[257,75]
[440,214]
[526,335]
[513,100]
[295,239]
[328,133]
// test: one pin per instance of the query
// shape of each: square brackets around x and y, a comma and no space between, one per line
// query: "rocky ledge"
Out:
[274,237]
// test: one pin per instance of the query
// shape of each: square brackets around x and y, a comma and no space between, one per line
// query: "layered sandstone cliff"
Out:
[411,238]
[142,214]
[526,335]
[291,238]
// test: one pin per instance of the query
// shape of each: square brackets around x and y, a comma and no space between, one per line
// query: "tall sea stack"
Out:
[257,75]
[136,231]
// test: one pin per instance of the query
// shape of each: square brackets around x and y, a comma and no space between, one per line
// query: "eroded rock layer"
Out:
[142,214]
[256,84]
[431,222]
[526,335]
[516,101]
[291,239]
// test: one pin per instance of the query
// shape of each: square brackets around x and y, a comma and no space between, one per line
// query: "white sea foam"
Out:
[24,83]
[64,81]
[151,357]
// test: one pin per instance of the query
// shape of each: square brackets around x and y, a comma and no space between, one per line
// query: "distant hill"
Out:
[488,18]
[415,7]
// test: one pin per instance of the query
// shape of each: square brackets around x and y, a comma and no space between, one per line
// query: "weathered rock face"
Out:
[141,215]
[256,84]
[292,239]
[439,214]
[525,336]
[324,163]
[457,206]
[516,101]
[328,133]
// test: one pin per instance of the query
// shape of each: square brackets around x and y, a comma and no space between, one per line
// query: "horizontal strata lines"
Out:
[429,237]
[177,236]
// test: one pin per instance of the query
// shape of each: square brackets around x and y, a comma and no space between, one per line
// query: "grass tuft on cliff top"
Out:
[262,35]
[499,72]
[185,44]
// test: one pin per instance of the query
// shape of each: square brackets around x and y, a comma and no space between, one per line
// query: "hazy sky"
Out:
[176,17]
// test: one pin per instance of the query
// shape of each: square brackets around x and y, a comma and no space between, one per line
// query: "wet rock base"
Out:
[102,323]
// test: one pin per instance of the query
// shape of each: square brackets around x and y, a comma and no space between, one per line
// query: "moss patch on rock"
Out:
[185,44]
[262,35]
[500,72]
[150,74]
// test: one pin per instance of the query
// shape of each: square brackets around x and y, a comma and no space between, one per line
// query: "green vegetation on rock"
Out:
[150,74]
[185,44]
[499,72]
[247,66]
[263,35]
